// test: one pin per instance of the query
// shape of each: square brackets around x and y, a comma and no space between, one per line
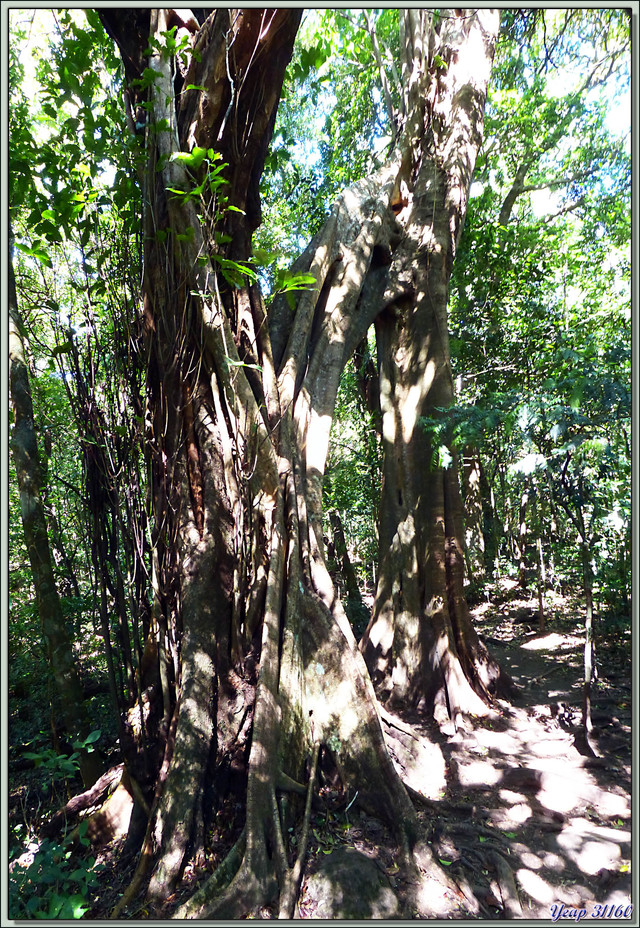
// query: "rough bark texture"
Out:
[420,645]
[249,627]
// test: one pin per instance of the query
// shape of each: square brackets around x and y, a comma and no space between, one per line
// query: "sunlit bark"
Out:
[241,407]
[420,645]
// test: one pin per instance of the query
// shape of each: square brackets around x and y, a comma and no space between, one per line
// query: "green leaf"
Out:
[148,78]
[187,236]
[56,903]
[192,159]
[232,363]
[74,907]
[64,348]
[576,395]
[286,281]
[234,272]
[36,252]
[94,736]
[263,257]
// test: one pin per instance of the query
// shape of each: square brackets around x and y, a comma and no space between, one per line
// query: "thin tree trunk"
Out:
[348,573]
[490,523]
[473,511]
[589,648]
[521,540]
[578,519]
[25,452]
[541,573]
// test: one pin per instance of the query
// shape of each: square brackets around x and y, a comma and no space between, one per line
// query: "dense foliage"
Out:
[539,316]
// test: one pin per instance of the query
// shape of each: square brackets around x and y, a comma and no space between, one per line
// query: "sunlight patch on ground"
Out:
[559,798]
[499,740]
[510,798]
[536,887]
[433,899]
[478,773]
[519,814]
[530,860]
[601,832]
[551,748]
[479,611]
[551,642]
[588,849]
[554,861]
[421,766]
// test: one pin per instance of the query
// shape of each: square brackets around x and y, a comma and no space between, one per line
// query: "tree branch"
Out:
[386,92]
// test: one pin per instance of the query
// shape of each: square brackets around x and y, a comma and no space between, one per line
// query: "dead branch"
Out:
[105,785]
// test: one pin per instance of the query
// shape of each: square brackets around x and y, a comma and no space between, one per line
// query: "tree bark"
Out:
[473,511]
[521,539]
[346,567]
[420,645]
[242,405]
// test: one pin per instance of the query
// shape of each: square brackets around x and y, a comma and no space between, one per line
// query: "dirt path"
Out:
[525,824]
[566,815]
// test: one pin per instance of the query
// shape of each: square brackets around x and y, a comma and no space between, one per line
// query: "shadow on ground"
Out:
[525,823]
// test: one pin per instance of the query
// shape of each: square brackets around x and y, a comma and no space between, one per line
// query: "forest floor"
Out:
[523,820]
[518,815]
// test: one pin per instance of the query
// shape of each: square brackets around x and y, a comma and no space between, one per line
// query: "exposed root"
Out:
[419,762]
[223,875]
[146,854]
[395,722]
[432,889]
[105,785]
[289,894]
[249,877]
[506,886]
[253,885]
[136,884]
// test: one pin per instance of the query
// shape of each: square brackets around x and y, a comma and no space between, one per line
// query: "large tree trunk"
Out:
[420,644]
[24,446]
[241,409]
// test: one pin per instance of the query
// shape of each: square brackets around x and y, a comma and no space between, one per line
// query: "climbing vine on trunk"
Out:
[258,667]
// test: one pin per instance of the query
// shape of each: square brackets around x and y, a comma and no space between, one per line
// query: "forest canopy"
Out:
[319,359]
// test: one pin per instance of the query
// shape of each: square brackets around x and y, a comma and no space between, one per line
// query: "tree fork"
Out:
[313,686]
